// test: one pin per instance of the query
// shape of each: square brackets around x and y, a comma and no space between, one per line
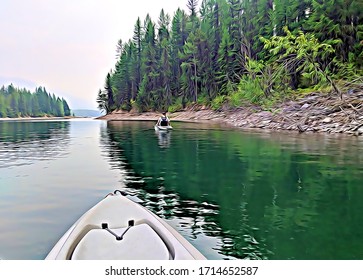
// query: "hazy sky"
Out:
[68,46]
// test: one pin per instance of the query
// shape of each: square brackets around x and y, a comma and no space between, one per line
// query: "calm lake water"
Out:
[233,194]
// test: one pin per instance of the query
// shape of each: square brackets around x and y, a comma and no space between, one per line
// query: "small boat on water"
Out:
[119,228]
[163,127]
[163,124]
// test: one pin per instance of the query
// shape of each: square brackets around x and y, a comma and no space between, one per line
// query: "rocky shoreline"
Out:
[314,113]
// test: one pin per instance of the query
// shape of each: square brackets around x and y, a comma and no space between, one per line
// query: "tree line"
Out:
[236,50]
[15,102]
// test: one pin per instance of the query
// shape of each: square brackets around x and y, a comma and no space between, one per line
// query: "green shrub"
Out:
[203,99]
[217,102]
[176,106]
[236,99]
[248,90]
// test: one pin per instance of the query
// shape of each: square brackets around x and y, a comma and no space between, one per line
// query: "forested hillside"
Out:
[15,102]
[237,51]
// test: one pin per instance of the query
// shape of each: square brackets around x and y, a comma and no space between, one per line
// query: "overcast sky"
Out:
[68,46]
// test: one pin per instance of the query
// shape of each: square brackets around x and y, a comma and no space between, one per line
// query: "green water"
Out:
[265,196]
[233,194]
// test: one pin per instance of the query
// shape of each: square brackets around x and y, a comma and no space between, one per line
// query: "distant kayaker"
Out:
[163,120]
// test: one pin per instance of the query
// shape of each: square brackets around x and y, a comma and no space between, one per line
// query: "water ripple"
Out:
[22,144]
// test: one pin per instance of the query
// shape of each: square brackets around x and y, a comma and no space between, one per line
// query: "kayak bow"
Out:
[119,228]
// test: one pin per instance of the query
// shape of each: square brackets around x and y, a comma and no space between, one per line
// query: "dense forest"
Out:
[237,51]
[15,102]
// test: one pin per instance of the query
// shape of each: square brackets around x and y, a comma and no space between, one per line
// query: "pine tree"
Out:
[339,23]
[124,77]
[22,105]
[210,32]
[119,48]
[67,110]
[163,29]
[226,76]
[165,75]
[192,6]
[149,68]
[36,107]
[178,37]
[13,110]
[102,101]
[60,108]
[189,76]
[2,106]
[109,93]
[137,41]
[233,43]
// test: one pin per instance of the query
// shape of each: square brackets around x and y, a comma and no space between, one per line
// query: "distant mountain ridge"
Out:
[86,113]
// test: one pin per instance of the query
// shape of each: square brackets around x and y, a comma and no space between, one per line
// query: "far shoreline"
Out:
[314,113]
[37,118]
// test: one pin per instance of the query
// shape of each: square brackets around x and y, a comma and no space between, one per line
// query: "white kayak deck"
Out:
[148,238]
[139,243]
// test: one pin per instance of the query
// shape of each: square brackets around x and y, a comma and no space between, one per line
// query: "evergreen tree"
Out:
[149,69]
[109,92]
[53,104]
[137,41]
[102,101]
[192,6]
[178,37]
[165,75]
[3,113]
[226,76]
[163,30]
[22,105]
[36,112]
[193,18]
[189,76]
[124,78]
[60,108]
[233,43]
[119,48]
[13,109]
[67,110]
[339,23]
[211,30]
